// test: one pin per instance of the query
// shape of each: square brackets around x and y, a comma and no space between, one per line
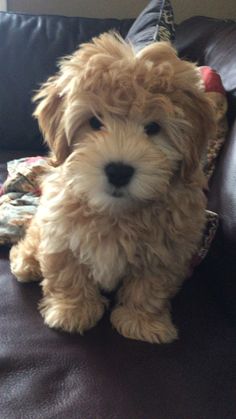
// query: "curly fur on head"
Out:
[124,202]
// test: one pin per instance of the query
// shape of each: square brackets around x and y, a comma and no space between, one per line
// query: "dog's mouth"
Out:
[121,199]
[117,193]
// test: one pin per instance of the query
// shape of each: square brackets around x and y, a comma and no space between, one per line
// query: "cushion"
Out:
[155,23]
[215,92]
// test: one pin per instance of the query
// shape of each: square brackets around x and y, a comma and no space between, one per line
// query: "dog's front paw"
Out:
[71,317]
[144,326]
[23,265]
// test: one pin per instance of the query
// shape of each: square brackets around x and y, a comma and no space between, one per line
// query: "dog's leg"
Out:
[72,301]
[23,257]
[143,312]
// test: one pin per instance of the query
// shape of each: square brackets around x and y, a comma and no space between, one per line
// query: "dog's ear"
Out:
[189,98]
[202,127]
[49,112]
[181,81]
[58,93]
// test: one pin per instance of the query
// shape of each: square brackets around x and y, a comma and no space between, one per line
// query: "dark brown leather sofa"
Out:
[47,374]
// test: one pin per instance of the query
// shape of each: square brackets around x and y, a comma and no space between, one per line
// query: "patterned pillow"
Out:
[215,92]
[155,23]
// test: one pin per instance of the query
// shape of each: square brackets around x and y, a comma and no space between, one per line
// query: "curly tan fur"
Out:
[89,235]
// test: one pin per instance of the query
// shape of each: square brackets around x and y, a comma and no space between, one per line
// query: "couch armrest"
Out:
[222,195]
[211,42]
[221,262]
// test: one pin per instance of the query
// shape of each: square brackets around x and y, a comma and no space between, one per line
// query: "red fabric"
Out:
[211,80]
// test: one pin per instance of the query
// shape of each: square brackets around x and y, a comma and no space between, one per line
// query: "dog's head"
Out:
[125,126]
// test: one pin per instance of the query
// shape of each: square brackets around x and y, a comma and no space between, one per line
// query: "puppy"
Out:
[123,205]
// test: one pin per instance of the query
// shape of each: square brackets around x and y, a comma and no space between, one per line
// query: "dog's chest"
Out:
[105,250]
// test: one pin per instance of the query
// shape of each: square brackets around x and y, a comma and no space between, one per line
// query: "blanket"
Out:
[19,197]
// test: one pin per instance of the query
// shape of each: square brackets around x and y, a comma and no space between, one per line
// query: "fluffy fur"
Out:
[90,235]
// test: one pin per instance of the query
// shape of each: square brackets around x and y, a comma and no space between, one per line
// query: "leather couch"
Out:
[49,374]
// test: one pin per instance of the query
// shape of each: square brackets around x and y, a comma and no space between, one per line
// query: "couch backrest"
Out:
[30,47]
[211,42]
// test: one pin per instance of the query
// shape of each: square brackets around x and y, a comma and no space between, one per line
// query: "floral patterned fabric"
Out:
[212,222]
[215,92]
[19,197]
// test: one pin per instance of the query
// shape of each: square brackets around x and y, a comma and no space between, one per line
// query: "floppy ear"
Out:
[49,112]
[200,115]
[181,80]
[53,97]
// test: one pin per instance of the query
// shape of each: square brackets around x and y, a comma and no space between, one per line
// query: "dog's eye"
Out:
[152,128]
[95,123]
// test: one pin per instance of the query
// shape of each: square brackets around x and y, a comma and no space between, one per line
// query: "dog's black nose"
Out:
[119,174]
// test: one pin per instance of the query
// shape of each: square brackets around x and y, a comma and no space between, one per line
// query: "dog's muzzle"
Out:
[119,174]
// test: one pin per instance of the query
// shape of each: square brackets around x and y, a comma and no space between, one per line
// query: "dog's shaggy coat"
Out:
[123,202]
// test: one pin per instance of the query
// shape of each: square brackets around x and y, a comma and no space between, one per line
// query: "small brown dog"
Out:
[124,202]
